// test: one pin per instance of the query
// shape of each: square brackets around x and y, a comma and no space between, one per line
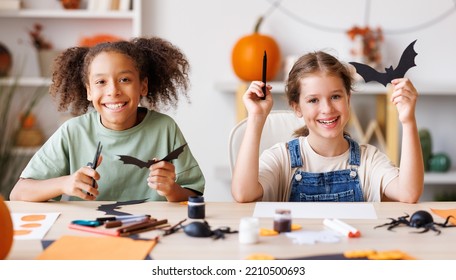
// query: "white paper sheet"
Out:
[317,210]
[32,225]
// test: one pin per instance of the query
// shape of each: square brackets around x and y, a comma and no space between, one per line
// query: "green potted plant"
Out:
[11,164]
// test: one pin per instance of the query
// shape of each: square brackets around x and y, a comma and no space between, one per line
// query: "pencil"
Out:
[124,222]
[125,217]
[142,225]
[265,62]
[130,233]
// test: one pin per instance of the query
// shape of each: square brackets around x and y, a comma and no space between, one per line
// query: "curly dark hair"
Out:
[165,66]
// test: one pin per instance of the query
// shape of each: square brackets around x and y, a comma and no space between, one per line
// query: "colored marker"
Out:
[87,223]
[117,218]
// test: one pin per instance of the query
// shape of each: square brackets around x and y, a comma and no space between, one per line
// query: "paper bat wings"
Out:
[141,164]
[135,161]
[406,62]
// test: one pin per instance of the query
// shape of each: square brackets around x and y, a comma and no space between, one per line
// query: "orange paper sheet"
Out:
[444,213]
[97,248]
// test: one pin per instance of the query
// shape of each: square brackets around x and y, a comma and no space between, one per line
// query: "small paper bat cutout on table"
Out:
[406,62]
[111,209]
[141,164]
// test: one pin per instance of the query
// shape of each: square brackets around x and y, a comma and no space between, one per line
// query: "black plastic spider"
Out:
[199,229]
[419,219]
[202,229]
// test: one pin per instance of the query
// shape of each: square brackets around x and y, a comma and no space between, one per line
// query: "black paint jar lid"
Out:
[195,199]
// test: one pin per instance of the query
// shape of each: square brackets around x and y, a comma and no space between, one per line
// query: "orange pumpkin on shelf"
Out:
[6,230]
[97,39]
[247,56]
[71,4]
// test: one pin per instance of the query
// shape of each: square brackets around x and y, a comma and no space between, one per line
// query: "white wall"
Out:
[206,31]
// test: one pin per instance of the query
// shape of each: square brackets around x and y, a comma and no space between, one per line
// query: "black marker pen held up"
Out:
[265,62]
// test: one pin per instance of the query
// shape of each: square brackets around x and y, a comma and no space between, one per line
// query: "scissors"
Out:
[94,163]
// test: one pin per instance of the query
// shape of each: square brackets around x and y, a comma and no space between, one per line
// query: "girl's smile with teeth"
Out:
[328,121]
[114,105]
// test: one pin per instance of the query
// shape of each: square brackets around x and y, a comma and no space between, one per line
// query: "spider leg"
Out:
[423,231]
[428,227]
[445,224]
[404,218]
[393,226]
[393,223]
[218,234]
[431,226]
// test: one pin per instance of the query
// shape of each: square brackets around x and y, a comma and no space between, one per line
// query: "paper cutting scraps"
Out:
[271,232]
[111,209]
[347,255]
[32,225]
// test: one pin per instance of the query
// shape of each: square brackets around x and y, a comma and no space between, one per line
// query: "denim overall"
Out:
[340,185]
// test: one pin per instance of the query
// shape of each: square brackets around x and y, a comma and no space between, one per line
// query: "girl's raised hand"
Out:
[404,97]
[253,101]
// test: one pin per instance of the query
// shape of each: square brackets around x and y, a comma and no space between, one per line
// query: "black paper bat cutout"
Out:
[110,209]
[406,62]
[141,164]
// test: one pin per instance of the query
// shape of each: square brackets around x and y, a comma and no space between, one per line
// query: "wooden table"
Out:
[180,246]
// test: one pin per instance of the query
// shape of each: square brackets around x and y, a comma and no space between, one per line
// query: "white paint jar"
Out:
[249,230]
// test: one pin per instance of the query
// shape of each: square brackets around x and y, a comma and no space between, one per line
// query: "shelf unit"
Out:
[387,118]
[26,82]
[133,15]
[63,28]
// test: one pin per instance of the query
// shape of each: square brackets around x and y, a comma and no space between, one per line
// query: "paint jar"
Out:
[196,207]
[249,230]
[282,220]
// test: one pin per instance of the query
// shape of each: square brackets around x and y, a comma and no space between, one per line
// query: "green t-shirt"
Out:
[74,144]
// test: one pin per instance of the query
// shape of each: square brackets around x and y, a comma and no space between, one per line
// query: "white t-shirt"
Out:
[375,172]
